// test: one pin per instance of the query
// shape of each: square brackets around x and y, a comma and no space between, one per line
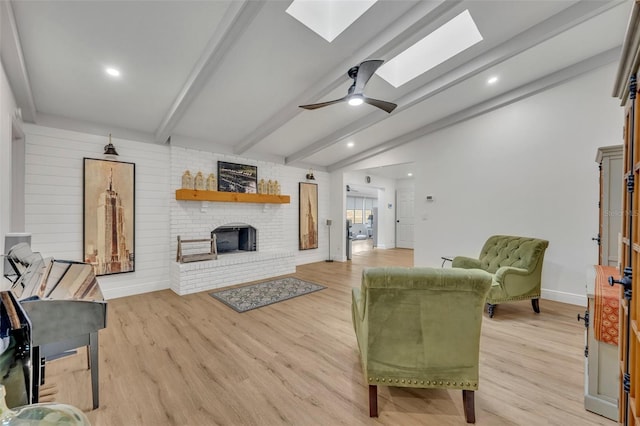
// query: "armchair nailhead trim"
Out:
[423,382]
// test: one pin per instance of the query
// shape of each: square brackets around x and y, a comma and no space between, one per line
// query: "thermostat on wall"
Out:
[430,198]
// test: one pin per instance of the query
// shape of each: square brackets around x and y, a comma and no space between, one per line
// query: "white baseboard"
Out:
[564,297]
[130,290]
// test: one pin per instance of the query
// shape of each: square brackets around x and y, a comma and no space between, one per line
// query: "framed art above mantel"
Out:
[240,178]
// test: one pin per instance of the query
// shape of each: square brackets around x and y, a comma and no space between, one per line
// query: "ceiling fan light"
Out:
[355,101]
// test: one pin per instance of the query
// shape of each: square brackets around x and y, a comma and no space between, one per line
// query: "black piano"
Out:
[64,307]
[15,355]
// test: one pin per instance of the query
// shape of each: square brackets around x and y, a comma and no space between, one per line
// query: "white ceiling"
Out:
[228,76]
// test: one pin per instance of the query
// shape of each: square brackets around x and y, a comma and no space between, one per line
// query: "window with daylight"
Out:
[360,210]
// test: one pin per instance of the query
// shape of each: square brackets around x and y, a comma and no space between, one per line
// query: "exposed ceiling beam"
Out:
[235,21]
[497,102]
[403,28]
[558,23]
[13,61]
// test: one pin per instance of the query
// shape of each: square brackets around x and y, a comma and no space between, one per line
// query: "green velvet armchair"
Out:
[420,328]
[516,266]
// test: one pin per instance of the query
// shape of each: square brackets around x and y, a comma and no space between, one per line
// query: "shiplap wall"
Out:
[53,202]
[54,207]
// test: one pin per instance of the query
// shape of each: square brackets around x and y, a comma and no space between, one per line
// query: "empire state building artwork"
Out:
[109,190]
[308,218]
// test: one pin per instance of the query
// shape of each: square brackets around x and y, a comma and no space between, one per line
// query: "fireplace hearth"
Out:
[235,238]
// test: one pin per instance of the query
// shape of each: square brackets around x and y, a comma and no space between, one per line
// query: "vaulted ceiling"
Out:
[228,75]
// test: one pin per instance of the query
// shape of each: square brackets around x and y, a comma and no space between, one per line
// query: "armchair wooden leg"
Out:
[469,405]
[373,401]
[490,309]
[535,305]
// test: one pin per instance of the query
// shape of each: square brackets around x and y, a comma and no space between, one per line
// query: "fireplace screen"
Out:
[235,238]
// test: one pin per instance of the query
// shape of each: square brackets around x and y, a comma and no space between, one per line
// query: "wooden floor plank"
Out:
[191,360]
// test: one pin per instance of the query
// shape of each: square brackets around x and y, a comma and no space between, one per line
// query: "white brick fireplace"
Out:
[196,219]
[276,224]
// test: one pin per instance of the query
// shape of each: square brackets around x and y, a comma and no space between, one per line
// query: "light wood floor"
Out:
[190,360]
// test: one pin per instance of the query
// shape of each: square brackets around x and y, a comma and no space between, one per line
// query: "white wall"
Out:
[526,169]
[53,198]
[408,183]
[54,206]
[53,203]
[7,109]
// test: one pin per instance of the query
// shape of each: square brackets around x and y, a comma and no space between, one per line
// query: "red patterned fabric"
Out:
[607,304]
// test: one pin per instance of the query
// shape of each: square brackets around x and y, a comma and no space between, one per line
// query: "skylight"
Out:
[328,18]
[455,36]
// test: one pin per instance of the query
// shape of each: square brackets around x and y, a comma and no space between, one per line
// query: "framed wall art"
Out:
[109,216]
[237,178]
[308,216]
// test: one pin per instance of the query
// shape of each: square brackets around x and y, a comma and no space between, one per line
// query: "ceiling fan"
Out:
[355,96]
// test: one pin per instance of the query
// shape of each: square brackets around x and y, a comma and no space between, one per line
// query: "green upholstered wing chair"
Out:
[420,328]
[516,266]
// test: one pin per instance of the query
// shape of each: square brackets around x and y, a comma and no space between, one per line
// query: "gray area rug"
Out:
[253,296]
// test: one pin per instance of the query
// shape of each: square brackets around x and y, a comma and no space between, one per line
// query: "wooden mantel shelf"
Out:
[230,197]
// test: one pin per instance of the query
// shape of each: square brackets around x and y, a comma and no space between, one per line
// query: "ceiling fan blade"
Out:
[323,104]
[383,105]
[365,71]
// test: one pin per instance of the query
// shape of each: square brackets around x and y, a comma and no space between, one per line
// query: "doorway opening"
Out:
[361,207]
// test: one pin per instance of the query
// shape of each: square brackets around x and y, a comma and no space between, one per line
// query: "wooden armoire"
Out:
[610,164]
[626,89]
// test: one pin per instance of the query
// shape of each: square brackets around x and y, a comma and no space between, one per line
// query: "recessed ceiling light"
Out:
[350,144]
[455,36]
[355,101]
[492,80]
[409,174]
[328,18]
[113,72]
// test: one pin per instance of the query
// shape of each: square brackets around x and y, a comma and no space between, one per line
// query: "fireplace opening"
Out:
[235,238]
